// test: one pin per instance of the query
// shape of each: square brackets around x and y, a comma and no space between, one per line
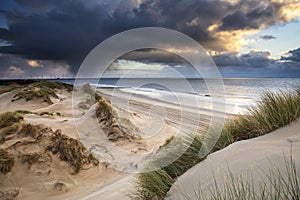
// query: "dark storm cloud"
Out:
[252,19]
[6,6]
[67,30]
[154,56]
[228,59]
[190,17]
[253,59]
[293,55]
[268,37]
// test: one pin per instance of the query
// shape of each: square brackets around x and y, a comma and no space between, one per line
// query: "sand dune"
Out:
[253,156]
[157,121]
[104,180]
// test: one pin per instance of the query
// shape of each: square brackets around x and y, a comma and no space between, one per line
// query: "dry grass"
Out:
[2,91]
[42,91]
[114,126]
[68,149]
[6,162]
[273,184]
[275,110]
[9,118]
[9,124]
[72,151]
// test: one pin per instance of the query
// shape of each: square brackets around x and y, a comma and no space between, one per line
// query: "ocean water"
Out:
[240,93]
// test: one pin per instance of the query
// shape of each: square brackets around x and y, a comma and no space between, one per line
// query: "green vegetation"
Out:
[9,118]
[105,112]
[152,185]
[6,162]
[58,114]
[30,158]
[68,149]
[163,178]
[72,151]
[275,184]
[2,91]
[275,110]
[24,112]
[46,113]
[9,124]
[42,91]
[168,140]
[30,130]
[114,126]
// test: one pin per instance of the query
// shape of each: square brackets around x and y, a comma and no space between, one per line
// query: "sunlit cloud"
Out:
[233,40]
[290,11]
[33,63]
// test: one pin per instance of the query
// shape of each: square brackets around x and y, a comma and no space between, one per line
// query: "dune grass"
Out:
[273,184]
[160,184]
[156,184]
[114,126]
[6,162]
[42,90]
[71,151]
[9,118]
[2,91]
[9,124]
[273,111]
[67,149]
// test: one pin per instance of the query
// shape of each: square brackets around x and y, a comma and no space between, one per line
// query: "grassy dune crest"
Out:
[71,151]
[274,184]
[24,135]
[42,91]
[115,127]
[273,111]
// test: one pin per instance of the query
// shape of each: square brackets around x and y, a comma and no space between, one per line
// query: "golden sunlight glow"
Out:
[233,40]
[291,10]
[183,50]
[33,63]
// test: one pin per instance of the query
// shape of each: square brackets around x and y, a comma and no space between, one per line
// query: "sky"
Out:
[51,38]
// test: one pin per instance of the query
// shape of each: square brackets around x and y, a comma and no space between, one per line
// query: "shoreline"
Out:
[143,111]
[65,121]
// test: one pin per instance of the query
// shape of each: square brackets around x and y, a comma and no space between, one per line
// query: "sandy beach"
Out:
[103,180]
[122,158]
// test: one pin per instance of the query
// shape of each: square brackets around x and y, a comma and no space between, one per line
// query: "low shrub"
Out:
[9,118]
[42,90]
[72,151]
[6,162]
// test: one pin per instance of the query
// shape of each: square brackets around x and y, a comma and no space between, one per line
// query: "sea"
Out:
[238,94]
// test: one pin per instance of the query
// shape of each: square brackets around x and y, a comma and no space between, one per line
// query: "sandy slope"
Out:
[109,180]
[34,183]
[157,120]
[252,156]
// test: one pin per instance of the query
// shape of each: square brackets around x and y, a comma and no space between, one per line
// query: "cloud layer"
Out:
[66,31]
